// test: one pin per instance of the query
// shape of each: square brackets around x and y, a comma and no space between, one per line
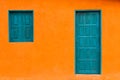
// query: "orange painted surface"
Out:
[51,55]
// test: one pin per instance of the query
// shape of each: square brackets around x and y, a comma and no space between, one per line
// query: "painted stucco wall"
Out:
[51,55]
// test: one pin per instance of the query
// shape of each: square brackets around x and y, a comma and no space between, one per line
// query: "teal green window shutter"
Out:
[21,26]
[88,42]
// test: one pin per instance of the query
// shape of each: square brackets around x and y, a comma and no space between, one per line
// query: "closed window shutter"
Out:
[14,27]
[87,42]
[20,26]
[28,29]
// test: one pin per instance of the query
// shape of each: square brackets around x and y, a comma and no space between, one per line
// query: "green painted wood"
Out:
[21,26]
[87,42]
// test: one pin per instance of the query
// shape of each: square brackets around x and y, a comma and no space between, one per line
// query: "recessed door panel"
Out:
[87,42]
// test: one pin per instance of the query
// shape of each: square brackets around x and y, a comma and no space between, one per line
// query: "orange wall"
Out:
[51,55]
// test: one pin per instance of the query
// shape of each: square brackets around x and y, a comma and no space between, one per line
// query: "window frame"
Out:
[9,11]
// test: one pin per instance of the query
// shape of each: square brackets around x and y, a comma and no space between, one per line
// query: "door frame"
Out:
[91,10]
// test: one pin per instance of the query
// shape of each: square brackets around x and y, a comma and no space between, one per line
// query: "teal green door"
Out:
[87,42]
[21,26]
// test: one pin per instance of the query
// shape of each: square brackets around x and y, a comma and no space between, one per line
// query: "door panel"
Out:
[87,42]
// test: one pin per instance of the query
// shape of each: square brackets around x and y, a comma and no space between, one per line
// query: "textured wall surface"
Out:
[51,55]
